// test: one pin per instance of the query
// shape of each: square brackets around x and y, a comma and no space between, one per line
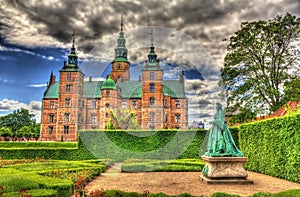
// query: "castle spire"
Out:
[122,22]
[121,50]
[72,57]
[152,56]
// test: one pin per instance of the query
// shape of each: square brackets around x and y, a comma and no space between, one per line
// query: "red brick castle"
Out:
[73,103]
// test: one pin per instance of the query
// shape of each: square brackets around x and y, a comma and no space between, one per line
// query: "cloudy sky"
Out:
[35,37]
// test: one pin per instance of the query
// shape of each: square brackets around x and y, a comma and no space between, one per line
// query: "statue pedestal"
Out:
[225,170]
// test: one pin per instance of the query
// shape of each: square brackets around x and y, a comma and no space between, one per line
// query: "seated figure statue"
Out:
[220,142]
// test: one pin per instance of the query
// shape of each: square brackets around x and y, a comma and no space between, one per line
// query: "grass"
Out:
[179,165]
[60,176]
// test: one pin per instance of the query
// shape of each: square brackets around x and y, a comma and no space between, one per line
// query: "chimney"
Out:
[52,79]
[157,64]
[90,78]
[182,79]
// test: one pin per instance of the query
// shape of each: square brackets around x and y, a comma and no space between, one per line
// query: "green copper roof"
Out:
[151,66]
[120,59]
[92,89]
[108,84]
[173,88]
[130,89]
[71,68]
[52,91]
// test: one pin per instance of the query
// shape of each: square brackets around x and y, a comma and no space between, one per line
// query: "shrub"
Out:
[272,147]
[35,193]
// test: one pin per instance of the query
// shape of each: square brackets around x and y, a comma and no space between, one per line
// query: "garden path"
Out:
[183,182]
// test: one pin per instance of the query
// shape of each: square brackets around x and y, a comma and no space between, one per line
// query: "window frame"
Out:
[67,117]
[52,104]
[51,118]
[66,129]
[152,76]
[151,101]
[152,87]
[50,130]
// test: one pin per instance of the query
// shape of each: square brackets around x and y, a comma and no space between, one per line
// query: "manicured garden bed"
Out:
[47,178]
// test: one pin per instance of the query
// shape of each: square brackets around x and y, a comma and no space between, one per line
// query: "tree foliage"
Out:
[259,60]
[122,119]
[17,120]
[292,90]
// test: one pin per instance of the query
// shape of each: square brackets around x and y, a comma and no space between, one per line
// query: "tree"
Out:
[122,119]
[292,90]
[5,132]
[17,120]
[258,62]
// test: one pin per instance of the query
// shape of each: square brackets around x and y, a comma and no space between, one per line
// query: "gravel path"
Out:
[184,182]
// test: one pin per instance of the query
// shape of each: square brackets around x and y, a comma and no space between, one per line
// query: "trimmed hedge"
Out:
[273,147]
[181,165]
[35,193]
[161,145]
[58,153]
[38,145]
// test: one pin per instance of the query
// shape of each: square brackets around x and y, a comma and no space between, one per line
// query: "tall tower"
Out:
[152,92]
[70,91]
[120,64]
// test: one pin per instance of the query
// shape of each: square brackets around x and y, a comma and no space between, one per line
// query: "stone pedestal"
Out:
[225,170]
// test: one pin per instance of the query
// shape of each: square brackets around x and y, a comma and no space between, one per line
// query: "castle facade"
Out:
[74,103]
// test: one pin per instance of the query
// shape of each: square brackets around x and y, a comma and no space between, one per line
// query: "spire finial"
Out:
[151,33]
[73,38]
[122,22]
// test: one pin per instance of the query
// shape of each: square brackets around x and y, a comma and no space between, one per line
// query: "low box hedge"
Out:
[35,193]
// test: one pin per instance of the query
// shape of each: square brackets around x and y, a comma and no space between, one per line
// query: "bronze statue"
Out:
[220,141]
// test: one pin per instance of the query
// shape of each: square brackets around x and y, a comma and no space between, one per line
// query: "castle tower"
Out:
[70,92]
[120,64]
[109,100]
[152,92]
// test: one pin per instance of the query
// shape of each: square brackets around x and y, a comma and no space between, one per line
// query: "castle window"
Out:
[124,104]
[106,115]
[94,104]
[67,117]
[134,104]
[165,102]
[152,101]
[94,118]
[68,88]
[152,114]
[152,87]
[166,118]
[52,104]
[107,105]
[69,76]
[51,118]
[177,103]
[107,93]
[66,129]
[67,102]
[177,117]
[50,130]
[82,104]
[151,75]
[119,66]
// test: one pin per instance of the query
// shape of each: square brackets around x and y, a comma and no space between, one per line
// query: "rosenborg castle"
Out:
[74,103]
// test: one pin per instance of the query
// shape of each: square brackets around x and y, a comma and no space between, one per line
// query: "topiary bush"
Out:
[272,147]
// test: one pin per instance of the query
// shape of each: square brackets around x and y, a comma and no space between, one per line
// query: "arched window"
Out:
[177,117]
[68,102]
[152,87]
[152,101]
[51,118]
[50,130]
[177,103]
[69,76]
[152,115]
[66,129]
[94,118]
[67,117]
[68,88]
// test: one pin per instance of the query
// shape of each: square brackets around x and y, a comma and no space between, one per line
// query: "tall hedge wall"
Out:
[117,145]
[273,147]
